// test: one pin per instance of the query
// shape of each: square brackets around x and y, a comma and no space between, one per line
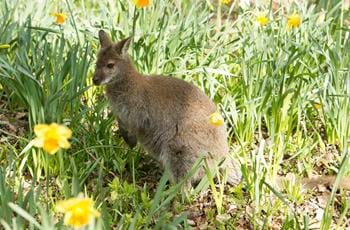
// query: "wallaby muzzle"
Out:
[96,80]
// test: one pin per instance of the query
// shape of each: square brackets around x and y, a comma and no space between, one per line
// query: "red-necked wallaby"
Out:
[167,116]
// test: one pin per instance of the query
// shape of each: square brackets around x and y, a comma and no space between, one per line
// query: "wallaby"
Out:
[169,117]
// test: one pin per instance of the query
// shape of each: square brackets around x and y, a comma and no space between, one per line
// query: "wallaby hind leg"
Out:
[180,162]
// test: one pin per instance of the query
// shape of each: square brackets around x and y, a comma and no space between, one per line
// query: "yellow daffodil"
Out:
[51,137]
[60,18]
[78,212]
[262,20]
[317,105]
[142,3]
[4,46]
[216,119]
[226,1]
[294,21]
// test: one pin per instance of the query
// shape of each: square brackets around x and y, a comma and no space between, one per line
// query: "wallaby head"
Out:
[112,60]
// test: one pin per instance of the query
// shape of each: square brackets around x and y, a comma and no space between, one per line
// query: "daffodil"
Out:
[60,18]
[52,137]
[226,1]
[78,212]
[262,20]
[317,105]
[142,3]
[4,46]
[216,119]
[294,20]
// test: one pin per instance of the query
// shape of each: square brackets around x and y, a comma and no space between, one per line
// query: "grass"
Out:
[284,94]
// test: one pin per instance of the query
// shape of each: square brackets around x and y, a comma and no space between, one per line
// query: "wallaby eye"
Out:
[110,65]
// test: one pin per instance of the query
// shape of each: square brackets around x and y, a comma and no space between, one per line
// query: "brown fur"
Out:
[314,181]
[309,183]
[167,116]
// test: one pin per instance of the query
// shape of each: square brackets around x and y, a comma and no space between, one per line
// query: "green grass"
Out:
[284,94]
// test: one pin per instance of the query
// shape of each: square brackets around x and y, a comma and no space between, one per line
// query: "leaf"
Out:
[24,214]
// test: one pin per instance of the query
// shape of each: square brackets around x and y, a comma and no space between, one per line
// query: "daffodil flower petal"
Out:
[262,20]
[60,18]
[142,3]
[78,211]
[52,137]
[294,20]
[64,143]
[41,129]
[64,132]
[51,146]
[216,119]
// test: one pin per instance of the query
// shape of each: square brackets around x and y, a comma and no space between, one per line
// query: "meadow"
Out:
[280,76]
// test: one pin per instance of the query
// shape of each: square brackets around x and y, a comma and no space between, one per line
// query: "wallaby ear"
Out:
[104,39]
[122,47]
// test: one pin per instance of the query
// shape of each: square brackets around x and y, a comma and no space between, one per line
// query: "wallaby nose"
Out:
[96,80]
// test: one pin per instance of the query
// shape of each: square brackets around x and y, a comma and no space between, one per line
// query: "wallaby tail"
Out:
[313,182]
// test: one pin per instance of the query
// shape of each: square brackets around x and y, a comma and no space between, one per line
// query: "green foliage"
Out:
[284,94]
